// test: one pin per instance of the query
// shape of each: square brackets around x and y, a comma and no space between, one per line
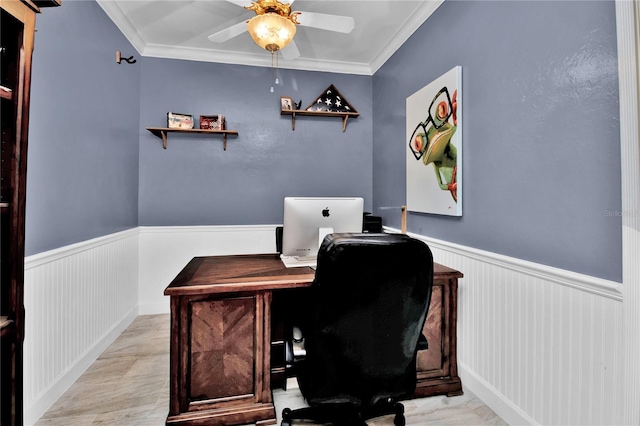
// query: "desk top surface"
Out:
[253,272]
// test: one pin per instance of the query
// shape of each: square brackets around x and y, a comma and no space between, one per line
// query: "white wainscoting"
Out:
[165,250]
[78,299]
[538,345]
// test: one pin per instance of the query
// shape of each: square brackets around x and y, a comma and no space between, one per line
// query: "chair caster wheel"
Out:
[399,419]
[286,421]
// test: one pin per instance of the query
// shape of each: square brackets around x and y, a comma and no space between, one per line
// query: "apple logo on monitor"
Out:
[325,212]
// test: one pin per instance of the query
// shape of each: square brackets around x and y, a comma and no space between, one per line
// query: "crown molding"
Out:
[258,60]
[306,64]
[124,25]
[415,21]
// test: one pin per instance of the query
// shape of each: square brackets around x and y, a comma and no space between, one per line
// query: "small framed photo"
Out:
[286,103]
[212,122]
[179,121]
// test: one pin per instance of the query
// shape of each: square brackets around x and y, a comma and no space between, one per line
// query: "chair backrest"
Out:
[369,303]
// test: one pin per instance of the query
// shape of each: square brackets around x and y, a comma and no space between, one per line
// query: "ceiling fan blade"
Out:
[241,3]
[291,51]
[229,32]
[341,24]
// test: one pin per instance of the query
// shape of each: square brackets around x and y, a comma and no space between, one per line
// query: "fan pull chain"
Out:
[271,90]
[274,71]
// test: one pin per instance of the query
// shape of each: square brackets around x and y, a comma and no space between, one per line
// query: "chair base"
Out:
[345,414]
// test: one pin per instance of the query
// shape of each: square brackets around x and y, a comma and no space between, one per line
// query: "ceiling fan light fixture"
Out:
[271,31]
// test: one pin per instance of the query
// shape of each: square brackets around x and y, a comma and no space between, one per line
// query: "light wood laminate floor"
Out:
[129,385]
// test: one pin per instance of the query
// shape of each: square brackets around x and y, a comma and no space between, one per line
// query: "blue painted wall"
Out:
[541,134]
[92,163]
[82,178]
[195,182]
[541,130]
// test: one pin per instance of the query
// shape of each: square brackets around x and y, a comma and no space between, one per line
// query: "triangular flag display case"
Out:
[330,103]
[331,100]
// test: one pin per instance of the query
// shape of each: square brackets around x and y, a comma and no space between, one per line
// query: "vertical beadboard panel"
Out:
[628,37]
[77,299]
[539,345]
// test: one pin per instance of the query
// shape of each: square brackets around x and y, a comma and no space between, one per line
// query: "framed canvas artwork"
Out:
[434,146]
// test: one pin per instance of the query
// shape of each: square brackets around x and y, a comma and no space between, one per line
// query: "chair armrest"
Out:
[423,344]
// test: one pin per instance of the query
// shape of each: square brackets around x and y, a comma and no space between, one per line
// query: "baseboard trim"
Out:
[50,395]
[501,405]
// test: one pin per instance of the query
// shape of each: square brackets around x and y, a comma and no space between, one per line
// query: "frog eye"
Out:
[418,142]
[443,111]
[440,108]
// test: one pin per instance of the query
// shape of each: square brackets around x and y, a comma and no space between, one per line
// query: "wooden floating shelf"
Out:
[162,132]
[345,115]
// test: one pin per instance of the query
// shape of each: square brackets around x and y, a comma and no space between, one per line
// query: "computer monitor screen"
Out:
[308,219]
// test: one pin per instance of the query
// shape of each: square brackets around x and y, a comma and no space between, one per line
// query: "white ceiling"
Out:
[179,29]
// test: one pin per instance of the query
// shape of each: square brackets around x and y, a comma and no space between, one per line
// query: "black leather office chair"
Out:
[367,308]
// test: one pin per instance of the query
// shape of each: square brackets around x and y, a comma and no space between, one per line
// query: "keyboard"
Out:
[299,261]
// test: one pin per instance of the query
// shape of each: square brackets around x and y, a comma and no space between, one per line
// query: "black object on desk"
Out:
[279,230]
[371,223]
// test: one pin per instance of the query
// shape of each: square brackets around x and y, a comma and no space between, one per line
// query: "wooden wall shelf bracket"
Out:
[344,115]
[344,122]
[161,132]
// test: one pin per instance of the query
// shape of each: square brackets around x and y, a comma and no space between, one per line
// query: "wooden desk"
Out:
[221,324]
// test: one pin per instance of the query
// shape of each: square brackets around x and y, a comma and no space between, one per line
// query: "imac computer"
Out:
[307,220]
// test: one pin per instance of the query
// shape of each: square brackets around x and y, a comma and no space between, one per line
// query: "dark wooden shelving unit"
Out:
[17,29]
[162,133]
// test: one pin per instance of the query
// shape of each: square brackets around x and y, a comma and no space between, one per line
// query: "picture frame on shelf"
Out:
[179,121]
[286,103]
[213,122]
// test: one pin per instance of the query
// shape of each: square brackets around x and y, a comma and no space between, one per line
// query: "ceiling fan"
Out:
[273,27]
